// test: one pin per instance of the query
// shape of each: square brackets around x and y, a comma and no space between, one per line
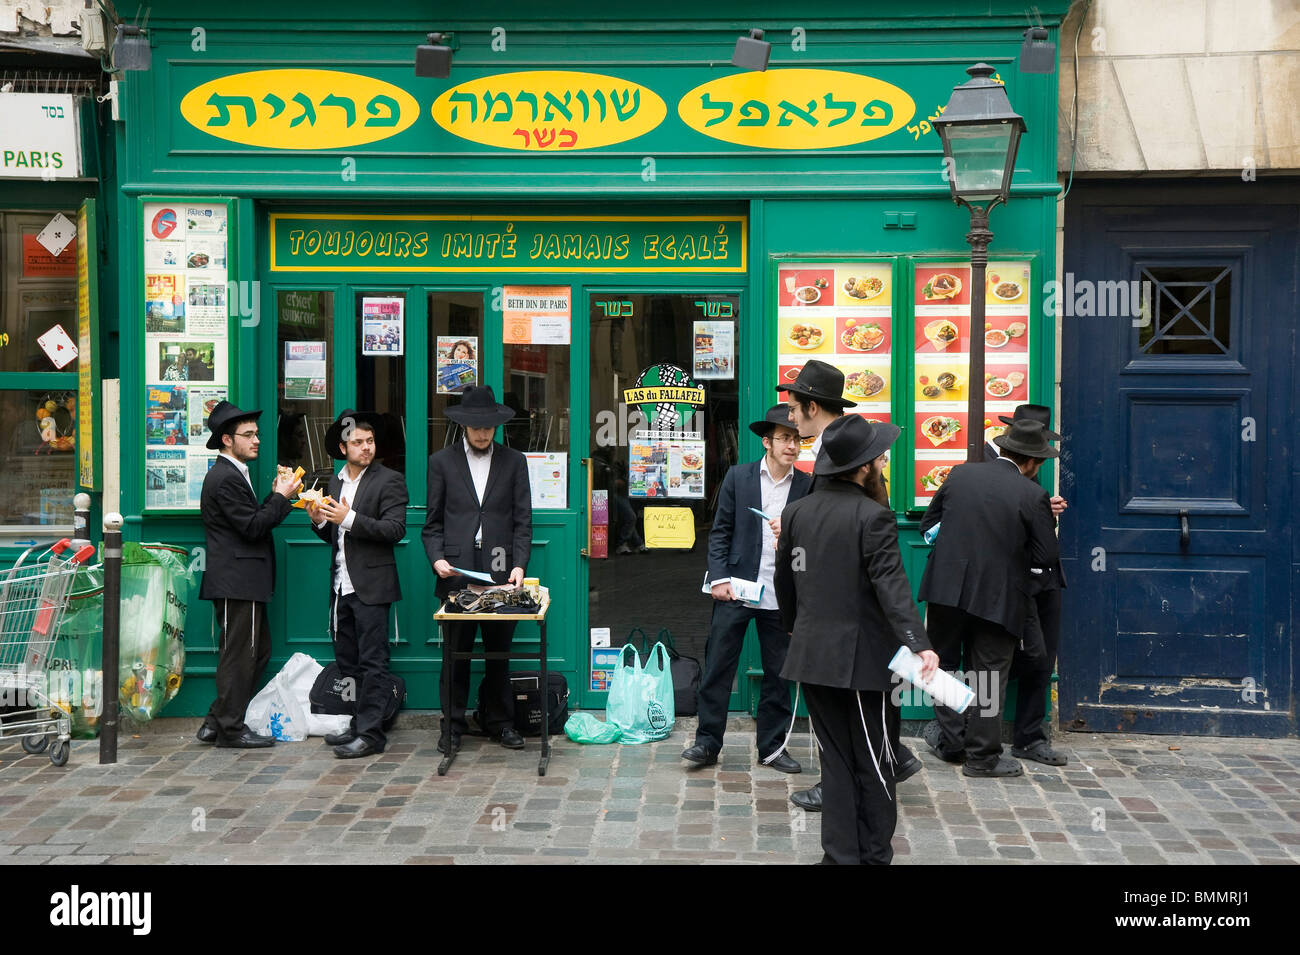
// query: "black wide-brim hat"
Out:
[851,441]
[822,383]
[346,420]
[1040,413]
[777,416]
[1029,437]
[223,418]
[478,408]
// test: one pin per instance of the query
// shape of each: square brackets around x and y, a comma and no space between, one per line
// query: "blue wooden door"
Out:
[1178,314]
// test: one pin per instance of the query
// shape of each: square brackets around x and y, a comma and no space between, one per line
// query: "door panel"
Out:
[1178,614]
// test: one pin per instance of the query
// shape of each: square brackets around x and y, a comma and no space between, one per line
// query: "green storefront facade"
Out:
[586,209]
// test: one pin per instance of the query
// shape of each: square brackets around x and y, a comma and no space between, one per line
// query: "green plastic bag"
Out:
[641,700]
[157,584]
[585,728]
[77,682]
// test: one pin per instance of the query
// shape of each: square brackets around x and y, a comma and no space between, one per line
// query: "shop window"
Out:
[38,290]
[1190,311]
[38,456]
[536,386]
[305,386]
[455,357]
[381,368]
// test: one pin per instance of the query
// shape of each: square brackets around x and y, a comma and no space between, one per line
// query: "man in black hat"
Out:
[848,606]
[742,545]
[361,518]
[997,525]
[239,574]
[480,517]
[816,399]
[1033,671]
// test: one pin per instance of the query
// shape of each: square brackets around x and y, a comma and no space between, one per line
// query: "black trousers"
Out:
[360,632]
[1034,676]
[722,658]
[244,651]
[987,648]
[858,809]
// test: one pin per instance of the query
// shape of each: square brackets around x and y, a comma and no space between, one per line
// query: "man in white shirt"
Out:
[742,545]
[362,518]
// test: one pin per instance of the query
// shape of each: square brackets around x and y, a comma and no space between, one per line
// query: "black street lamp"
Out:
[980,134]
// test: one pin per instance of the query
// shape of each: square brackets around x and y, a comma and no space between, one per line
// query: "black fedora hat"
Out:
[822,383]
[777,416]
[1040,413]
[851,441]
[478,408]
[1029,437]
[347,419]
[223,418]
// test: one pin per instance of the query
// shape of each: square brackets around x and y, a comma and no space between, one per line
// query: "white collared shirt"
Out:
[480,465]
[774,495]
[347,493]
[243,469]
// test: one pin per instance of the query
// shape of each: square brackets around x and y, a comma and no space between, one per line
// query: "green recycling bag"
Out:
[157,585]
[641,700]
[585,728]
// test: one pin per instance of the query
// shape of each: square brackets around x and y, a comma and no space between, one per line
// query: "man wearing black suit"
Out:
[240,571]
[362,517]
[480,518]
[1033,672]
[848,604]
[742,545]
[996,525]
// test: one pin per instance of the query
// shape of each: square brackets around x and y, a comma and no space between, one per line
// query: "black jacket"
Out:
[843,593]
[454,514]
[1042,579]
[736,540]
[380,508]
[997,524]
[240,560]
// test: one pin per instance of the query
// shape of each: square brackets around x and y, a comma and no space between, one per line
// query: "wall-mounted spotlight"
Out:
[434,58]
[752,51]
[1037,53]
[131,49]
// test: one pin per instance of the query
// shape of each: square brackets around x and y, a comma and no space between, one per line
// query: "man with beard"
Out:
[848,605]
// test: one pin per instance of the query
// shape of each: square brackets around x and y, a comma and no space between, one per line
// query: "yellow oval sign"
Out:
[796,109]
[549,111]
[299,109]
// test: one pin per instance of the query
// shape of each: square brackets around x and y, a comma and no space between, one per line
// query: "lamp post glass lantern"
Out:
[980,133]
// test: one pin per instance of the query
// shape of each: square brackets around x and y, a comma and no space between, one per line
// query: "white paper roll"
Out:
[943,687]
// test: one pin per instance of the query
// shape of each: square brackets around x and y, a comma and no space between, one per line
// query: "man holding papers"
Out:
[741,547]
[480,518]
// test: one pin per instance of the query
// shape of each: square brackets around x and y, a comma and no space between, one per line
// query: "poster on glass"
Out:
[382,326]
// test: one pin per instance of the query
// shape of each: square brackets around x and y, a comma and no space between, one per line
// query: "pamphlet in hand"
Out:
[943,687]
[475,575]
[760,514]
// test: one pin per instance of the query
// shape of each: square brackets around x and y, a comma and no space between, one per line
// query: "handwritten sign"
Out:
[669,527]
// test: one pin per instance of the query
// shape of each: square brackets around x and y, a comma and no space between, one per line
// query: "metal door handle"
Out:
[1185,535]
[588,464]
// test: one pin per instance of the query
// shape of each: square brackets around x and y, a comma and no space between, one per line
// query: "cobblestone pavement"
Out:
[169,799]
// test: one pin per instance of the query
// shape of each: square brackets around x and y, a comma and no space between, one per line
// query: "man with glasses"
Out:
[742,545]
[240,571]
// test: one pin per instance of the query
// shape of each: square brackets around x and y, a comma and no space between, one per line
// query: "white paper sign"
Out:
[39,135]
[58,346]
[600,636]
[548,478]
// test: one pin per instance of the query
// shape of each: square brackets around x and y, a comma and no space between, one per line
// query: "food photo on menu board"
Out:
[942,380]
[948,334]
[1005,382]
[861,336]
[1005,334]
[940,429]
[866,381]
[940,286]
[1007,283]
[929,473]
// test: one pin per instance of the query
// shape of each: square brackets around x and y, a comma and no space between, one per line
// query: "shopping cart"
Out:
[33,598]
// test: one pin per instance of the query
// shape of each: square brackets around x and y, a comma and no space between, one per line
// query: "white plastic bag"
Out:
[281,709]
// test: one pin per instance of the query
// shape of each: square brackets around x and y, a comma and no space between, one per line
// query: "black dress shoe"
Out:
[206,734]
[246,740]
[700,755]
[809,800]
[340,739]
[785,763]
[933,736]
[1040,752]
[360,746]
[443,746]
[906,770]
[510,738]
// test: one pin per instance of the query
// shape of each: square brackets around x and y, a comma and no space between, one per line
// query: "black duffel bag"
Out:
[528,703]
[334,693]
[686,672]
